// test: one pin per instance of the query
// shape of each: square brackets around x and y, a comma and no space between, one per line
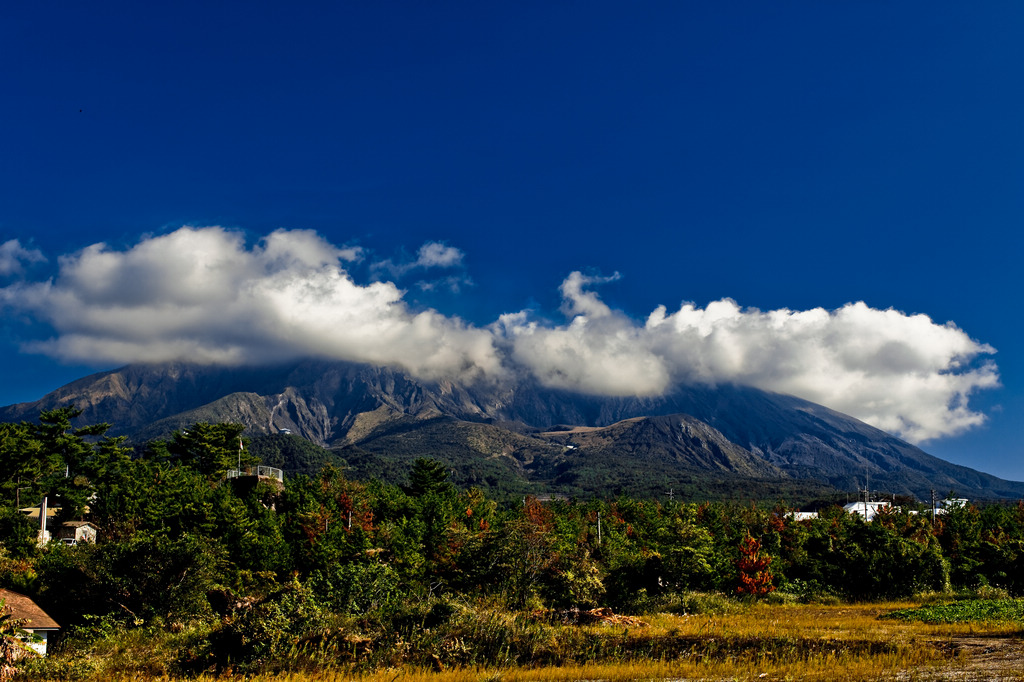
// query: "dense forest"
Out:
[245,574]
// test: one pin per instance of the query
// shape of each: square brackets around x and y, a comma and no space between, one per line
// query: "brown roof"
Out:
[21,607]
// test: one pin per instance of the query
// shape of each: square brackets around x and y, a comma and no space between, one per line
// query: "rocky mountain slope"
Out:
[698,436]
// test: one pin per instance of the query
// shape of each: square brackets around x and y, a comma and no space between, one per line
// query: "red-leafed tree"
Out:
[754,572]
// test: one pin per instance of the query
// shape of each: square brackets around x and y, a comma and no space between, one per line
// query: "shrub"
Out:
[257,633]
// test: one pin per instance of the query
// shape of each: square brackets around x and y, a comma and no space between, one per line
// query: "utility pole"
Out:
[599,528]
[933,507]
[42,521]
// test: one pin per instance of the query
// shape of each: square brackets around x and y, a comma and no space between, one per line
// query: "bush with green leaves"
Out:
[145,579]
[257,633]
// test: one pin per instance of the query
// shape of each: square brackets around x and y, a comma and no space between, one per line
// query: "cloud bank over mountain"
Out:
[206,295]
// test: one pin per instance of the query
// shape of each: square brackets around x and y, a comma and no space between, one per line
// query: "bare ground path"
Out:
[981,657]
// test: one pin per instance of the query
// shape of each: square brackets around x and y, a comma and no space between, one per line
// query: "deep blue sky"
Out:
[786,155]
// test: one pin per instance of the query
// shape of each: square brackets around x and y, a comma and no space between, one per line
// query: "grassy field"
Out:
[741,641]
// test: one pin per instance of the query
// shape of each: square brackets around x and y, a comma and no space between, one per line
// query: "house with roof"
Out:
[77,532]
[39,626]
[45,516]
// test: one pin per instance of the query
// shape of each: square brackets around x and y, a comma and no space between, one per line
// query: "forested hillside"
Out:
[245,574]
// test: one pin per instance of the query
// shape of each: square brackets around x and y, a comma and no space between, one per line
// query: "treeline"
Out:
[254,568]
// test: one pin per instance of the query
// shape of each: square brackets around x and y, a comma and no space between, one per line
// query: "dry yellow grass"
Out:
[762,642]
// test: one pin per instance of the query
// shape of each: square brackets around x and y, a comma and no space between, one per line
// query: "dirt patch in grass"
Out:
[981,657]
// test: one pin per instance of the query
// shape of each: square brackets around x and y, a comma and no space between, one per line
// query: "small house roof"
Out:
[23,608]
[79,524]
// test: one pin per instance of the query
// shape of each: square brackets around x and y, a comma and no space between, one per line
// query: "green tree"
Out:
[50,458]
[210,449]
[19,535]
[527,554]
[249,529]
[153,497]
[428,476]
[688,551]
[22,466]
[960,532]
[1001,552]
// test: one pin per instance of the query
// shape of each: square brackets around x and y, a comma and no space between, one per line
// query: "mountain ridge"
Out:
[345,405]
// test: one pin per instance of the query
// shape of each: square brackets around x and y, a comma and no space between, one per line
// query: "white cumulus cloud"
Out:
[206,295]
[902,373]
[203,294]
[437,255]
[430,255]
[13,257]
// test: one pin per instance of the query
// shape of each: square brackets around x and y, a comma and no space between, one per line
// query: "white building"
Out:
[866,509]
